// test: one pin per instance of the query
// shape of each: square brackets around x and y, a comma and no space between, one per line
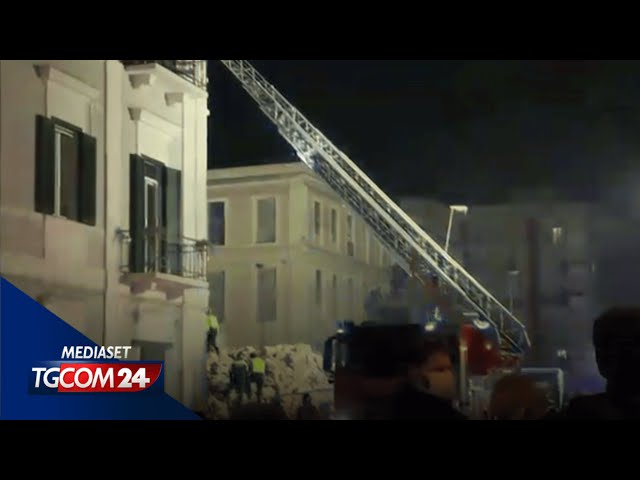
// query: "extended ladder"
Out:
[399,232]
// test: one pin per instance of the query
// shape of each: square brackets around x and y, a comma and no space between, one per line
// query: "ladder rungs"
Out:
[394,227]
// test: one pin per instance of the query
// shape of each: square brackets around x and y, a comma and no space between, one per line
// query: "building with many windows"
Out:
[288,258]
[103,202]
[556,264]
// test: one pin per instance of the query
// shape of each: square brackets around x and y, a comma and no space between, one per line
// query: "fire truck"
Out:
[411,248]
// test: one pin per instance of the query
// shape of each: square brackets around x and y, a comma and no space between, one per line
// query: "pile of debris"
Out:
[292,370]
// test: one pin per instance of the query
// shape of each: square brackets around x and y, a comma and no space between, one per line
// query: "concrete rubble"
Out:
[292,370]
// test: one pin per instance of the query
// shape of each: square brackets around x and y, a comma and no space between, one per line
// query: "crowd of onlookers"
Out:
[616,340]
[430,391]
[430,387]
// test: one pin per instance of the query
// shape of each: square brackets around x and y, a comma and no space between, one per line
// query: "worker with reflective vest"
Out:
[258,370]
[239,378]
[212,335]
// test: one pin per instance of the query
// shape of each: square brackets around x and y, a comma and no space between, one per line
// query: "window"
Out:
[557,235]
[334,225]
[318,288]
[155,218]
[217,286]
[266,231]
[317,219]
[383,256]
[367,246]
[152,224]
[65,173]
[267,300]
[350,300]
[350,245]
[370,248]
[217,213]
[334,297]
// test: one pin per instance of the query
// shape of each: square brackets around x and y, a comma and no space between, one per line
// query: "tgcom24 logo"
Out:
[85,369]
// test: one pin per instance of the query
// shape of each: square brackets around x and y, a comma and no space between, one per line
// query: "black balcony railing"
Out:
[195,71]
[151,252]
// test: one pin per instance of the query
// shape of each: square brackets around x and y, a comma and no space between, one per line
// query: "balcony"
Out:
[194,71]
[152,262]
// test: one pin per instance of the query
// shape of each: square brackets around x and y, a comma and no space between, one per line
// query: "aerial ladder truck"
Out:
[417,253]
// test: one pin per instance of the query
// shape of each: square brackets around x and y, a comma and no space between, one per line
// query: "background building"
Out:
[103,199]
[289,259]
[555,264]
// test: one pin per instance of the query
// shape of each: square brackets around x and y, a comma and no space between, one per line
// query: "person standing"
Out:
[239,378]
[616,340]
[212,334]
[430,388]
[258,369]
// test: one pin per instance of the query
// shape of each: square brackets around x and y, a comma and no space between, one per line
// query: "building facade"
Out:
[555,264]
[103,201]
[288,258]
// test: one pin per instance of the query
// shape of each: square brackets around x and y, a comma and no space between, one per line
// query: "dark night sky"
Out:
[457,130]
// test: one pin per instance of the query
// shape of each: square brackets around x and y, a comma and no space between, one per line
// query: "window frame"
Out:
[557,235]
[317,220]
[334,221]
[225,203]
[318,293]
[350,234]
[263,268]
[255,219]
[48,182]
[152,238]
[383,254]
[60,127]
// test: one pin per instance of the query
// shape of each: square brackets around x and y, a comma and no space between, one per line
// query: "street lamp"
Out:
[453,209]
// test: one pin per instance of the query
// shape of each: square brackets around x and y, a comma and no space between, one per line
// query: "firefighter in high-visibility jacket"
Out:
[239,378]
[212,334]
[258,370]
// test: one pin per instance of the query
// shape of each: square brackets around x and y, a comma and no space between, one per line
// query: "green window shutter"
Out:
[45,165]
[172,217]
[87,176]
[136,214]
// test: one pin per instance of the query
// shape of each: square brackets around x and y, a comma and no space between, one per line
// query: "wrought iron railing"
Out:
[195,71]
[152,252]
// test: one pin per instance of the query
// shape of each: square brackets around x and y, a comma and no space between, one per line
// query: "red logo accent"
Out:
[107,377]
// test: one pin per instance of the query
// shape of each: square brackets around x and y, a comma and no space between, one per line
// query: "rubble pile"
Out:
[292,370]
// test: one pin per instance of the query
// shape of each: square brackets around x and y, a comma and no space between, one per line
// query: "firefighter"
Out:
[239,378]
[212,334]
[258,368]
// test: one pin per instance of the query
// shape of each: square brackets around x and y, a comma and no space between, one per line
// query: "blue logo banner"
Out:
[36,383]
